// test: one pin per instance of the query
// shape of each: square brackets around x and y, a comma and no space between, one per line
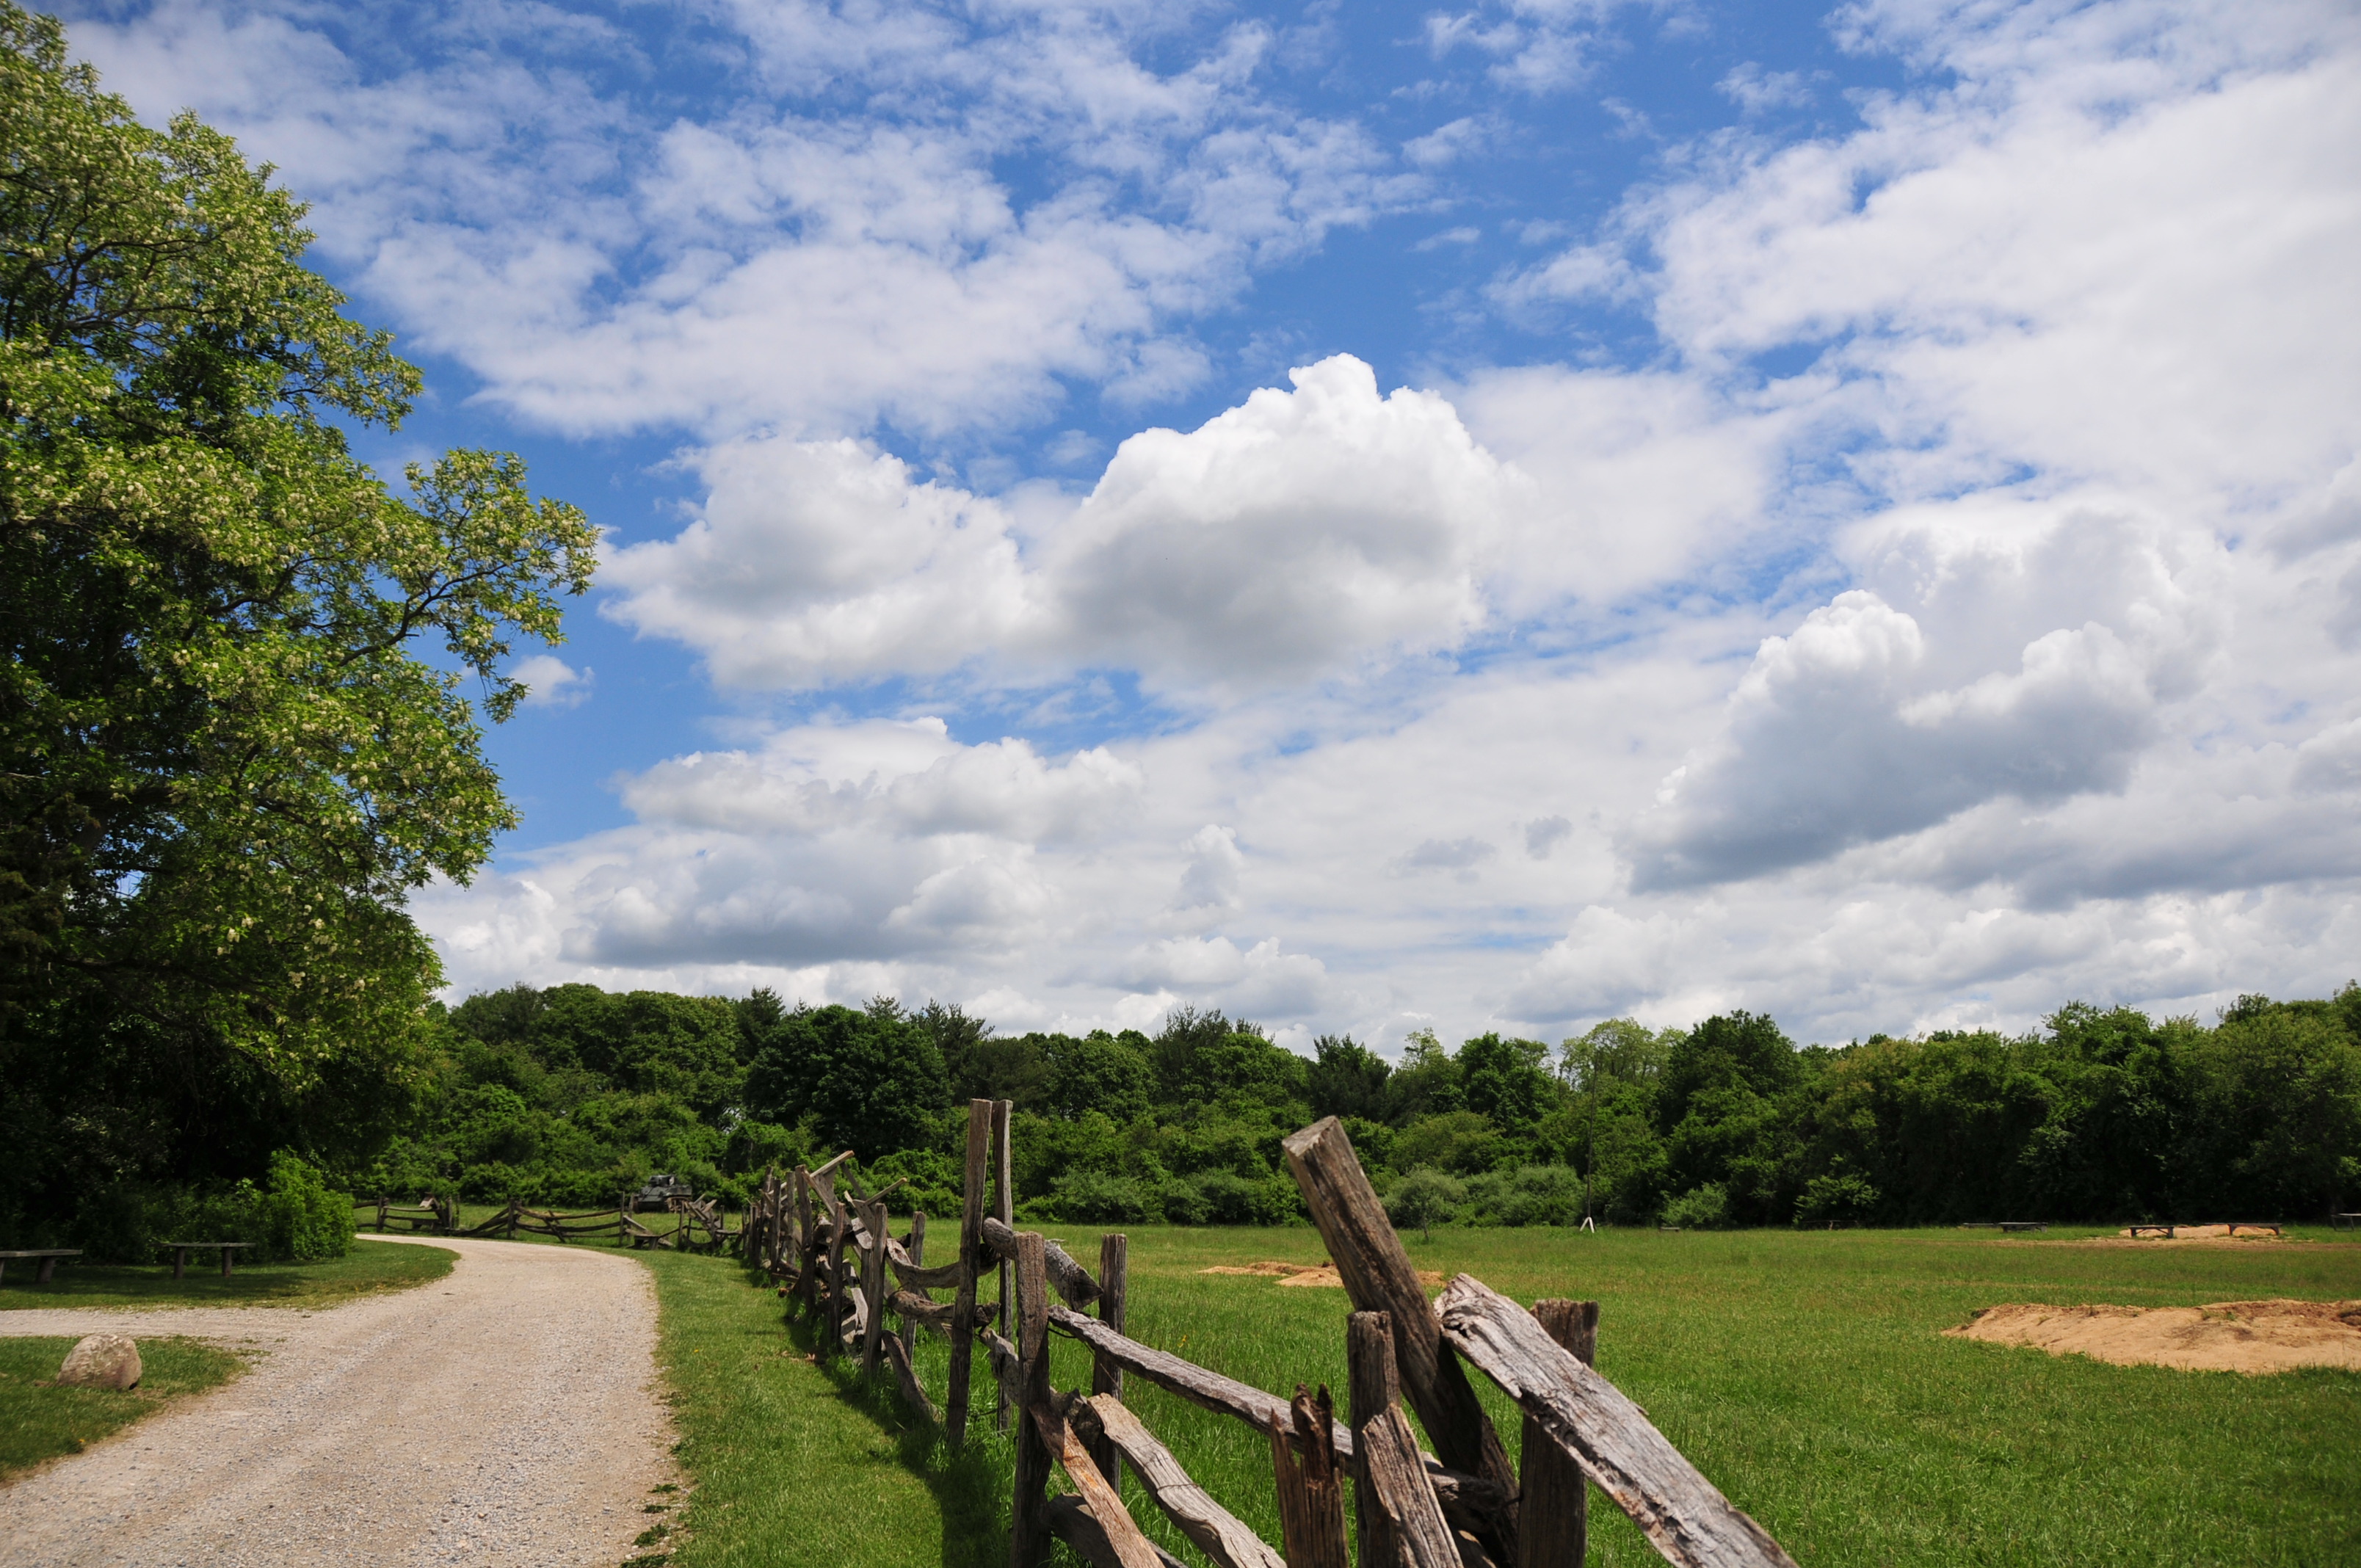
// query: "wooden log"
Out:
[1215,1531]
[1399,1518]
[917,1248]
[1078,1527]
[873,1285]
[1029,1526]
[1106,1376]
[1552,1501]
[1131,1548]
[825,1174]
[1680,1512]
[970,1253]
[1072,1280]
[937,1315]
[914,1393]
[1004,1208]
[911,1276]
[1378,1277]
[808,1233]
[1310,1488]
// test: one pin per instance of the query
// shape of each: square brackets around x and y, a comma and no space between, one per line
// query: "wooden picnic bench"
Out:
[48,1257]
[181,1251]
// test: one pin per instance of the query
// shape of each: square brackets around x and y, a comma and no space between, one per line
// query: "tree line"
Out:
[571,1094]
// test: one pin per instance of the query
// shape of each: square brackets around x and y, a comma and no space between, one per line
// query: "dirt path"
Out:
[504,1415]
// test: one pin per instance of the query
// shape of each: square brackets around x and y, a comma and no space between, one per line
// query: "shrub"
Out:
[1701,1207]
[300,1218]
[1232,1199]
[1528,1195]
[1425,1198]
[1837,1197]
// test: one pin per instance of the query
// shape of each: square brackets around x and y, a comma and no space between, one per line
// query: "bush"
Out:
[1837,1197]
[300,1218]
[1701,1207]
[1425,1198]
[1090,1197]
[1232,1199]
[1528,1195]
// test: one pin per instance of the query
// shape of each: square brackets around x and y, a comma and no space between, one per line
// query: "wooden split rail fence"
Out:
[1463,1505]
[697,1223]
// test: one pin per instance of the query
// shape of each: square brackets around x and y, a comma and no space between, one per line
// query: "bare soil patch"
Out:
[2226,1336]
[1307,1274]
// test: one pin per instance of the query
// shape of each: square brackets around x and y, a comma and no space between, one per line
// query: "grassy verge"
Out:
[1805,1373]
[369,1267]
[40,1421]
[796,1461]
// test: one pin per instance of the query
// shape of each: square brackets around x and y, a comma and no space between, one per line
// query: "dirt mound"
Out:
[2226,1336]
[1312,1274]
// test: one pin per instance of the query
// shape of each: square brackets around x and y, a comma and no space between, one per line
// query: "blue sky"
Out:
[1384,515]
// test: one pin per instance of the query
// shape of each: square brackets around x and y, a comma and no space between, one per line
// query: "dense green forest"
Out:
[571,1094]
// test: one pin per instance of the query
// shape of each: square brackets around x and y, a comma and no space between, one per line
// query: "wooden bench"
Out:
[181,1251]
[48,1257]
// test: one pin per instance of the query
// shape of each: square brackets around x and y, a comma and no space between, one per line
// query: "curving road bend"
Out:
[508,1414]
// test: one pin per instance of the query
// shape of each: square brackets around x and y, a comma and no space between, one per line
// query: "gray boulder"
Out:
[102,1361]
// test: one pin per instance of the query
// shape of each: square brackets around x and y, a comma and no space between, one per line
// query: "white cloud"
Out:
[1757,91]
[551,682]
[2033,668]
[608,266]
[1300,534]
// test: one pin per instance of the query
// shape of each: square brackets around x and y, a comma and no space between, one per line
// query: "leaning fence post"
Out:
[1553,1512]
[1311,1493]
[1378,1277]
[1028,1516]
[1106,1377]
[1004,1208]
[971,1251]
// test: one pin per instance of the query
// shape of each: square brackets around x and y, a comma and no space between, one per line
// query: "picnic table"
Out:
[181,1251]
[48,1254]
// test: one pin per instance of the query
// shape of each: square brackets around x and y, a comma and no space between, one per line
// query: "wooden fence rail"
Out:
[833,1254]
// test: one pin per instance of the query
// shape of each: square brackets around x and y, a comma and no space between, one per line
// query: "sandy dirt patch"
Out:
[1312,1274]
[2226,1336]
[506,1414]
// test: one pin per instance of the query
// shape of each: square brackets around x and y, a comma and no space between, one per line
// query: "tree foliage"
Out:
[223,761]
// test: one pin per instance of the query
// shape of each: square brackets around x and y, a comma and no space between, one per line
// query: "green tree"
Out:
[1103,1072]
[1347,1078]
[222,762]
[869,1080]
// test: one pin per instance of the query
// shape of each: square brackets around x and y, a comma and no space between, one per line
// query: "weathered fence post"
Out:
[807,1255]
[970,1253]
[873,1283]
[1004,1208]
[833,1319]
[1554,1504]
[1401,1524]
[1378,1277]
[918,1259]
[1028,1519]
[1106,1378]
[1310,1493]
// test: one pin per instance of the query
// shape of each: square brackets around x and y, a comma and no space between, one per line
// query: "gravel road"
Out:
[505,1415]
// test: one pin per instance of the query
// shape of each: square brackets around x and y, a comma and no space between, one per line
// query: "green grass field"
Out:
[369,1267]
[40,1421]
[1805,1373]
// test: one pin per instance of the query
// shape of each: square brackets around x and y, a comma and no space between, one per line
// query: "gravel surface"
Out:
[506,1414]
